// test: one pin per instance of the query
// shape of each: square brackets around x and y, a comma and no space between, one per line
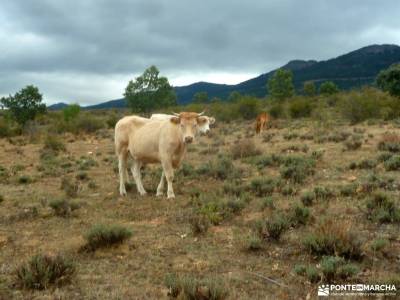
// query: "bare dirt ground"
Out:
[162,240]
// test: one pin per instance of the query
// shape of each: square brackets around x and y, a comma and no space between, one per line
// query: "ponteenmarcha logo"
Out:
[356,289]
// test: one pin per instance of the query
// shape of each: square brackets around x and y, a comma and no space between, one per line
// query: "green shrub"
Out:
[300,269]
[189,287]
[248,107]
[87,124]
[25,179]
[44,271]
[275,226]
[263,186]
[312,274]
[307,198]
[300,108]
[101,235]
[277,110]
[393,163]
[70,188]
[334,268]
[63,207]
[323,193]
[333,237]
[382,209]
[267,202]
[348,190]
[71,112]
[5,128]
[198,223]
[354,143]
[296,168]
[253,243]
[389,142]
[379,244]
[54,144]
[299,215]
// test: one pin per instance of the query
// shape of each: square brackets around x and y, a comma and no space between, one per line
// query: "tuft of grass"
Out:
[189,287]
[334,237]
[100,236]
[244,148]
[63,207]
[70,188]
[82,176]
[43,271]
[198,223]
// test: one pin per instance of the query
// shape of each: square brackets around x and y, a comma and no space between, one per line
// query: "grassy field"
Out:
[303,203]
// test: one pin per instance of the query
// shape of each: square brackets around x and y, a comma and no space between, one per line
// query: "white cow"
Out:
[203,128]
[154,141]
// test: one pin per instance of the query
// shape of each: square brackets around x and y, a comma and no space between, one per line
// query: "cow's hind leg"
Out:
[160,188]
[138,177]
[122,173]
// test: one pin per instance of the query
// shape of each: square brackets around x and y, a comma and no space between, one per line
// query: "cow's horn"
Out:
[202,113]
[175,114]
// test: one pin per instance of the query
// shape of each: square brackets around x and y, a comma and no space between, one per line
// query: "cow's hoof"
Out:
[143,193]
[122,193]
[159,194]
[171,196]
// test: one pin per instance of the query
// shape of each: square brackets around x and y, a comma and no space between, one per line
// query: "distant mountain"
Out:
[350,70]
[57,106]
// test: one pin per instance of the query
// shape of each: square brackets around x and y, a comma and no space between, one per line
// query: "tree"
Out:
[234,96]
[280,85]
[71,112]
[200,97]
[309,88]
[25,105]
[328,88]
[389,80]
[149,92]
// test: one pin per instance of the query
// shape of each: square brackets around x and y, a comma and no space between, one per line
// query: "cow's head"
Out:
[189,123]
[204,124]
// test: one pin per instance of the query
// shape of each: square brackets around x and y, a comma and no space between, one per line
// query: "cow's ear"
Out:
[212,120]
[175,120]
[201,120]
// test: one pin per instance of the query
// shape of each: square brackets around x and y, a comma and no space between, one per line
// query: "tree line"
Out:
[150,91]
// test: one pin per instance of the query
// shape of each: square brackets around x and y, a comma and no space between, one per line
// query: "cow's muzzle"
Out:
[188,139]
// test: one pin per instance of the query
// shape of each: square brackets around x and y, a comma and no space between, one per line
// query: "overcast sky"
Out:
[86,51]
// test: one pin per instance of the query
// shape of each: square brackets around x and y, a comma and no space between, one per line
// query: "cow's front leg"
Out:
[138,177]
[169,175]
[122,173]
[160,188]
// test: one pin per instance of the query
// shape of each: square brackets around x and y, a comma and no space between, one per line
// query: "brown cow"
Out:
[153,141]
[261,121]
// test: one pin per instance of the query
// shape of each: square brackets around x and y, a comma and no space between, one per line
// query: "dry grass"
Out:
[169,239]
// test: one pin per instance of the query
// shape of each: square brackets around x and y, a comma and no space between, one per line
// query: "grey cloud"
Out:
[90,43]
